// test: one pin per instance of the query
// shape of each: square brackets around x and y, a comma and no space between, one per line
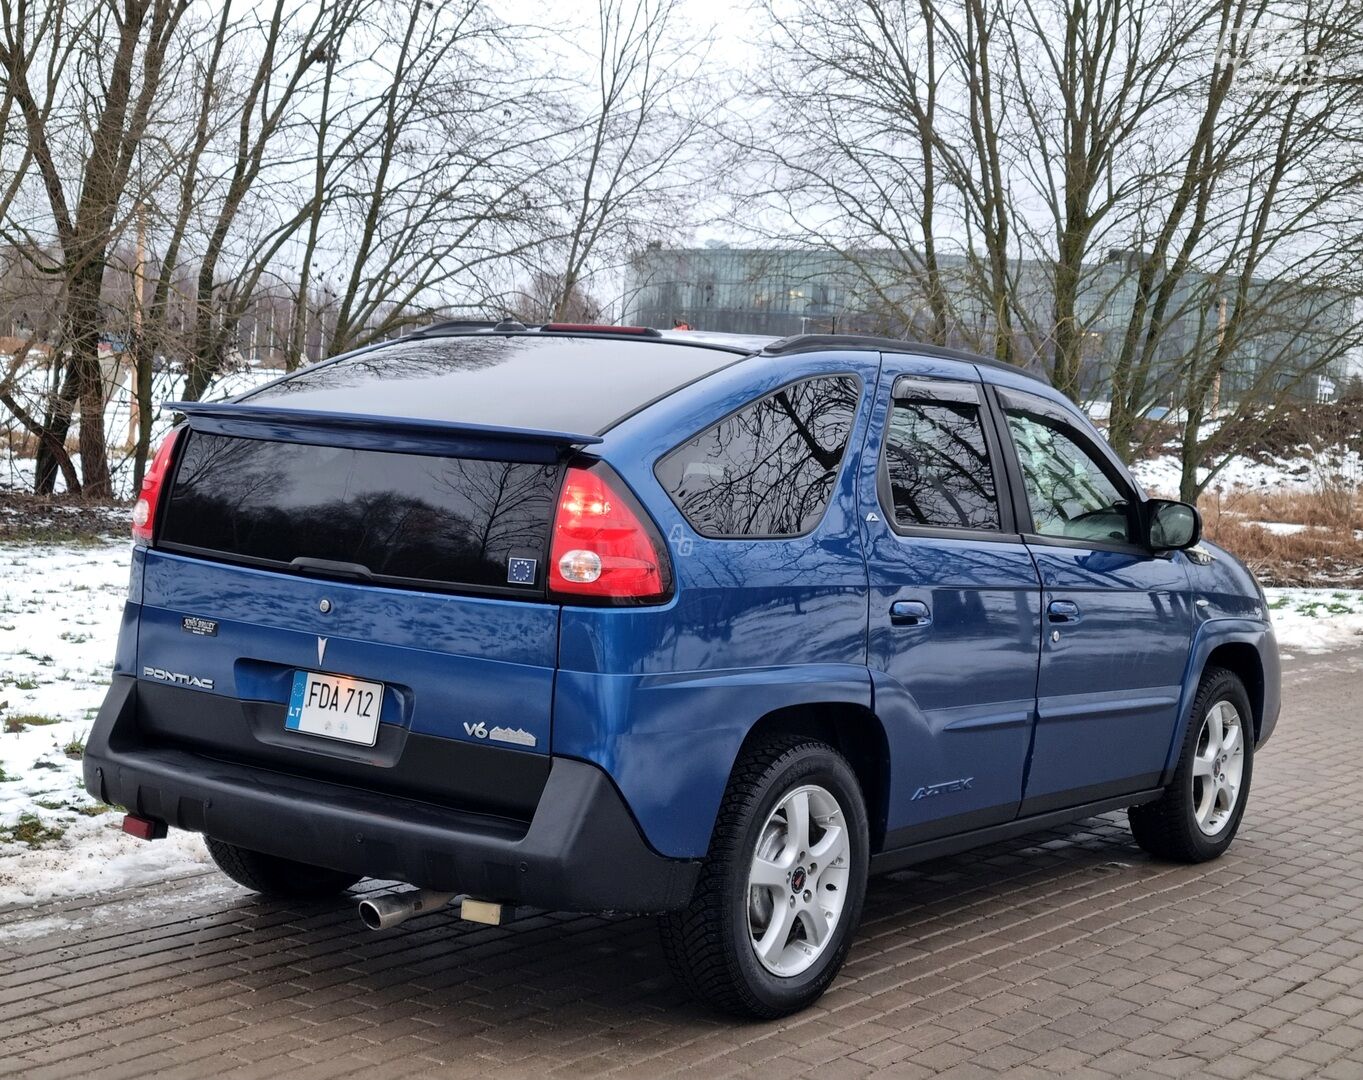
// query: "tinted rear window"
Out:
[406,518]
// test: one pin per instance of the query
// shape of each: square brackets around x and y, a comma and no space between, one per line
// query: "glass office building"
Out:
[781,291]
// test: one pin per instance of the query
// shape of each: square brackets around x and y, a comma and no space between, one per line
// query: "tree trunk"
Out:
[83,319]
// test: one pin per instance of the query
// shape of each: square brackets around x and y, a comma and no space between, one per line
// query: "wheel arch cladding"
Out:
[1242,659]
[670,741]
[855,732]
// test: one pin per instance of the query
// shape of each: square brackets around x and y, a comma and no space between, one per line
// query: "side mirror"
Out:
[1172,526]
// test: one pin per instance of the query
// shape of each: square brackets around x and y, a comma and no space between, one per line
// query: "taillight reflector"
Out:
[144,828]
[601,547]
[144,510]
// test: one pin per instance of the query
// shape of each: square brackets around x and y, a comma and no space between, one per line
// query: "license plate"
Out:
[335,707]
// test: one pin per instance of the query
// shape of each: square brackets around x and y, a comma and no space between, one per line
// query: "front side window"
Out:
[1069,493]
[768,469]
[938,466]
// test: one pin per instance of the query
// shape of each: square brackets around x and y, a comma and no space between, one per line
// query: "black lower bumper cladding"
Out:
[580,851]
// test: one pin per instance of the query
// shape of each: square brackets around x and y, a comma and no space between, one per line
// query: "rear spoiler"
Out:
[396,434]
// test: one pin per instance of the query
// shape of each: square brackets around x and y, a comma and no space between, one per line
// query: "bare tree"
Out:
[63,43]
[627,171]
[1092,187]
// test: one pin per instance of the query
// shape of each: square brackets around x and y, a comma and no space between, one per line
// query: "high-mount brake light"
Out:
[598,328]
[144,510]
[602,548]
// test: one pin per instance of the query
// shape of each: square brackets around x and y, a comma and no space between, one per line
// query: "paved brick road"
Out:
[1069,952]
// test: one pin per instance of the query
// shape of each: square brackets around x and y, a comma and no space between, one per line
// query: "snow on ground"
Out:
[1316,620]
[59,615]
[1162,474]
[1280,528]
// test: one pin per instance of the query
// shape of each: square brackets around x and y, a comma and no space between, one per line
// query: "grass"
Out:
[75,749]
[1326,551]
[1327,510]
[31,830]
[15,724]
[59,519]
[1312,558]
[84,809]
[5,777]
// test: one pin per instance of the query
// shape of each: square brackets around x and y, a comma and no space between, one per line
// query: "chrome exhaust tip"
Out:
[387,910]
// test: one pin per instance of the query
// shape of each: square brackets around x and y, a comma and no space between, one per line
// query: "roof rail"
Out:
[511,326]
[798,343]
[455,324]
[598,328]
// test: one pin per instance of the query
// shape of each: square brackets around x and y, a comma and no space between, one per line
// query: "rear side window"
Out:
[768,469]
[402,518]
[938,466]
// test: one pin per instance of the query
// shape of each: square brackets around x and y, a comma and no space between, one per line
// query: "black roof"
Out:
[551,382]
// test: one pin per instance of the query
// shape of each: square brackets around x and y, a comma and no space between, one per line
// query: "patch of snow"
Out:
[60,609]
[1280,528]
[1316,620]
[95,857]
[1162,474]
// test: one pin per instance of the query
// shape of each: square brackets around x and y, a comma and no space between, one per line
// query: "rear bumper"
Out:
[580,851]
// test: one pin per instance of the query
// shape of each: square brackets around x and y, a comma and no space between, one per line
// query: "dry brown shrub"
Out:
[1292,507]
[1318,556]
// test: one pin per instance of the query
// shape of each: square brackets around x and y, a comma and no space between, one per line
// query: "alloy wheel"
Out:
[1218,767]
[797,884]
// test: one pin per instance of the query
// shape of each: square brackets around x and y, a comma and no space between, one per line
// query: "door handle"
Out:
[1062,611]
[910,613]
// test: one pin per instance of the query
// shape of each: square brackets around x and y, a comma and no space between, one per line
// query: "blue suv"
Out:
[607,619]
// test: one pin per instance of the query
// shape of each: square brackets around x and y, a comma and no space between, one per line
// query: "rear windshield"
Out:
[401,519]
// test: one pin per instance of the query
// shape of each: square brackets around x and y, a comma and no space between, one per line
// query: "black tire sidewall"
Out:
[273,876]
[1223,686]
[809,765]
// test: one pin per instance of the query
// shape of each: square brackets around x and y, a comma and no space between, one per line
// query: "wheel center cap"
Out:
[797,879]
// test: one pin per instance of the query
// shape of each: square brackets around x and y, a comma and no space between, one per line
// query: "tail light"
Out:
[144,510]
[604,547]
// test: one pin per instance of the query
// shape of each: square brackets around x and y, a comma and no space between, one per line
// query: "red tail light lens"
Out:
[603,547]
[144,510]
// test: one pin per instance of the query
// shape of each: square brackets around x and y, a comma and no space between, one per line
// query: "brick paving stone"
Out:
[1066,953]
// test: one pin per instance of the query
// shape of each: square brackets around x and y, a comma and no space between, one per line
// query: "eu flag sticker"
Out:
[521,571]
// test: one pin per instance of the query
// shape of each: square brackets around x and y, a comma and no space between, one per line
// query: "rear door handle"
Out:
[910,613]
[1063,611]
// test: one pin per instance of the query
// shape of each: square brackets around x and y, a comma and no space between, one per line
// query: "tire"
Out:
[712,945]
[1184,824]
[272,876]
